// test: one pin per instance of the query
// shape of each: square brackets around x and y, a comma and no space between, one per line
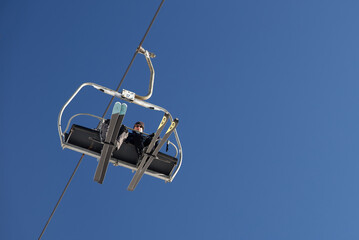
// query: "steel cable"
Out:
[104,114]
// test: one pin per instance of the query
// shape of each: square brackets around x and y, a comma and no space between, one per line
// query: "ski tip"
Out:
[116,108]
[123,109]
[174,124]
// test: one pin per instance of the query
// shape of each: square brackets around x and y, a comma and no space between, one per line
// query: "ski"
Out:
[118,113]
[157,133]
[149,155]
[162,125]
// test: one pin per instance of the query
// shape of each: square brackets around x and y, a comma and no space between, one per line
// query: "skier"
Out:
[139,140]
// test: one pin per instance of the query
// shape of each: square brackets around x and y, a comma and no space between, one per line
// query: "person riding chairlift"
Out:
[136,137]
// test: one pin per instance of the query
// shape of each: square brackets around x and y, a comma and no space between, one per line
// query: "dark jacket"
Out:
[139,140]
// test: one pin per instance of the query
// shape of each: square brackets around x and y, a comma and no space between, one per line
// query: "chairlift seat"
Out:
[88,141]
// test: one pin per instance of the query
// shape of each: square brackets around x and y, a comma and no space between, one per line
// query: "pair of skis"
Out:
[118,113]
[151,152]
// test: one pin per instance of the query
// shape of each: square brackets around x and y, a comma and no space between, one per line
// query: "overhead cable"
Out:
[104,114]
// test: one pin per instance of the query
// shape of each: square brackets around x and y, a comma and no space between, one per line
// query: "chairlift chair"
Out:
[88,141]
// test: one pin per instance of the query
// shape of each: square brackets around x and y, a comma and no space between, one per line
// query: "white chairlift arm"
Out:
[148,56]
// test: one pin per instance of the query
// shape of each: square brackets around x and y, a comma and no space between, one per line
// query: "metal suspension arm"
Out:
[148,56]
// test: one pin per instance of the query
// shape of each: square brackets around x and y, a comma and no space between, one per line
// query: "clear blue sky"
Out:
[266,93]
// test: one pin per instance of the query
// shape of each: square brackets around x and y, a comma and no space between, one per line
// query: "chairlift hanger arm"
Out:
[148,57]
